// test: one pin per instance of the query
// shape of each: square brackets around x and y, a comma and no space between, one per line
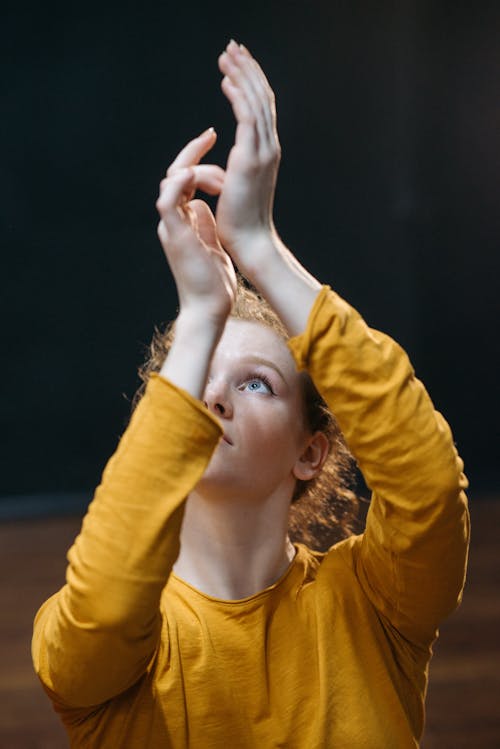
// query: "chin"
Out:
[216,478]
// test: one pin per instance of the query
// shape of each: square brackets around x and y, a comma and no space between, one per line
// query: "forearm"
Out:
[288,287]
[188,360]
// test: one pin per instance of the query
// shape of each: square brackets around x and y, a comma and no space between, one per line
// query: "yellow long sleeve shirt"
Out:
[335,653]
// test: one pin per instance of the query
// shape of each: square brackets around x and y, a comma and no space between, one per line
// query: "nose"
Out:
[217,398]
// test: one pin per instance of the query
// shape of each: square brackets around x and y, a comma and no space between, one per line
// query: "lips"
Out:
[226,439]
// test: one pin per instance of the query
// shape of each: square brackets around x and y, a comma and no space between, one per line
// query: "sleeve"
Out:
[97,635]
[412,557]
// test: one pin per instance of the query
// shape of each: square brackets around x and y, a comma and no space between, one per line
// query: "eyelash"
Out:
[262,377]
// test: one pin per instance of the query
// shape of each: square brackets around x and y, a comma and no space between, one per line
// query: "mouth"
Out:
[225,438]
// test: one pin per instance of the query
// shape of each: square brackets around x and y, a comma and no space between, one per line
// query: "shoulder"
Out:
[335,568]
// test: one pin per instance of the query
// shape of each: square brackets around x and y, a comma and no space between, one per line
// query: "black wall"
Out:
[389,190]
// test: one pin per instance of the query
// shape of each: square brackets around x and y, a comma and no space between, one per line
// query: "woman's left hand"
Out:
[245,206]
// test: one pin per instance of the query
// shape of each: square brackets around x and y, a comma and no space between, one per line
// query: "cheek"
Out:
[278,429]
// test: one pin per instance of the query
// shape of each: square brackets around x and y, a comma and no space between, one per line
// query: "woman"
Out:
[188,618]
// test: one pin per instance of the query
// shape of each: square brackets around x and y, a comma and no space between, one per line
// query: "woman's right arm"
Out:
[97,635]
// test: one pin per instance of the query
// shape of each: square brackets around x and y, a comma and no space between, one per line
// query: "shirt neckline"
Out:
[287,575]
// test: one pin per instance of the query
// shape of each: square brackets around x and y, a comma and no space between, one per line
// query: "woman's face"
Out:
[255,391]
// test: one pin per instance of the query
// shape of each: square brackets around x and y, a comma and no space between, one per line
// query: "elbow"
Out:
[83,660]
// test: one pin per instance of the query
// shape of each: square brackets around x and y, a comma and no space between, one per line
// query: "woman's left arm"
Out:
[411,559]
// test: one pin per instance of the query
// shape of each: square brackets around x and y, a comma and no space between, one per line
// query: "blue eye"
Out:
[257,384]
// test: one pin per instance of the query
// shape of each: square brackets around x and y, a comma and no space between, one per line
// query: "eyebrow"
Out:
[267,363]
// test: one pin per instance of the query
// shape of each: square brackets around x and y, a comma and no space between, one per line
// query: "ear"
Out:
[312,458]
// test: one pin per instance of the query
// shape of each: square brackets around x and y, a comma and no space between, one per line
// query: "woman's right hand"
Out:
[203,272]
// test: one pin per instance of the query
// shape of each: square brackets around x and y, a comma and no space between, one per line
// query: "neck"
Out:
[233,549]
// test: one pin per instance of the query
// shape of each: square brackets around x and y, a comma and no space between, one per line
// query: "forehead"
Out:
[254,339]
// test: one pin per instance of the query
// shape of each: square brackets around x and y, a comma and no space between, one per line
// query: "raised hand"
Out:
[244,210]
[202,270]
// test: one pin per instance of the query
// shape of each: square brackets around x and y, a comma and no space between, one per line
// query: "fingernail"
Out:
[210,130]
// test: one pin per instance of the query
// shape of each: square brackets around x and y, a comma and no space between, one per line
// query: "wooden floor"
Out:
[463,708]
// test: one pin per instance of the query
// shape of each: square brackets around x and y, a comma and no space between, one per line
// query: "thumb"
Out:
[205,224]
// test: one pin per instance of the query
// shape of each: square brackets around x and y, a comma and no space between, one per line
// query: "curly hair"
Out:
[323,509]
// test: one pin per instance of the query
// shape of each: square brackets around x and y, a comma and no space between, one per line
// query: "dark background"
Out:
[389,189]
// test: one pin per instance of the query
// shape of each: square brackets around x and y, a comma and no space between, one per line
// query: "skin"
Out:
[254,390]
[241,504]
[241,529]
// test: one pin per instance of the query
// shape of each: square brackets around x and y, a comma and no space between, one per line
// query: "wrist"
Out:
[288,287]
[269,264]
[256,253]
[199,323]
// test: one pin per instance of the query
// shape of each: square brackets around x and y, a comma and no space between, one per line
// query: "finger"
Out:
[161,230]
[194,151]
[242,112]
[239,91]
[244,75]
[261,86]
[261,90]
[207,177]
[174,197]
[207,231]
[243,54]
[240,104]
[251,127]
[242,59]
[205,223]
